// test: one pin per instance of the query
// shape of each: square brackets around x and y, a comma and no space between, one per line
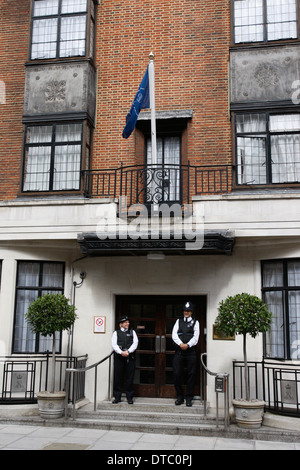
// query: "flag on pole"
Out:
[141,101]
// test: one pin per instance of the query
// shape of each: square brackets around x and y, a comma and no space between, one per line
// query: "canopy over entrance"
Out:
[215,243]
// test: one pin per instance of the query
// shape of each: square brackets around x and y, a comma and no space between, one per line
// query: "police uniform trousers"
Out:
[124,367]
[186,359]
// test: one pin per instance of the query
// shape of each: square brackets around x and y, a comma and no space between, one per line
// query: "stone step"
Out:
[139,415]
[148,415]
[154,405]
[204,427]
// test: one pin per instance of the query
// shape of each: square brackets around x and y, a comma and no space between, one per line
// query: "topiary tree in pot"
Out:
[47,315]
[244,314]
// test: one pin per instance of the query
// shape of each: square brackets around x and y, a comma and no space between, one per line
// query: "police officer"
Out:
[185,335]
[124,343]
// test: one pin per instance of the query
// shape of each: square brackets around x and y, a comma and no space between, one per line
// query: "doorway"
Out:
[153,318]
[164,177]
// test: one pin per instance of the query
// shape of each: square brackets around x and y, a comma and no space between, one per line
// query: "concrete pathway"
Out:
[35,437]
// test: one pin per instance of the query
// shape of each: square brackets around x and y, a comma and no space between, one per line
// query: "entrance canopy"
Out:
[215,243]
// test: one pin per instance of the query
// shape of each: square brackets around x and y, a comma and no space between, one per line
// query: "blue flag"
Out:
[141,101]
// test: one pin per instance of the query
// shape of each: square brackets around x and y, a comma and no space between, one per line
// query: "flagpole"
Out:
[152,106]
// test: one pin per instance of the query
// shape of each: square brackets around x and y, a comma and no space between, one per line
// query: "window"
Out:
[53,156]
[281,292]
[267,148]
[34,279]
[164,184]
[59,28]
[264,20]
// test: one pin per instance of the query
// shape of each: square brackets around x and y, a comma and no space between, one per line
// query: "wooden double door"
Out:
[153,318]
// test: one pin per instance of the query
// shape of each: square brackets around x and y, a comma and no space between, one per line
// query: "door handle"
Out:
[163,344]
[157,344]
[160,344]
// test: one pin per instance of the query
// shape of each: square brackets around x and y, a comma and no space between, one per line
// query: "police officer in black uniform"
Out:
[124,342]
[185,335]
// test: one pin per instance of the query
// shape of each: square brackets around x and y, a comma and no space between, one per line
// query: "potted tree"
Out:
[47,315]
[245,314]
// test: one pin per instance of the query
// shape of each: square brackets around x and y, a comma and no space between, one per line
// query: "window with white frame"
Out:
[281,293]
[53,157]
[34,279]
[267,148]
[264,20]
[62,28]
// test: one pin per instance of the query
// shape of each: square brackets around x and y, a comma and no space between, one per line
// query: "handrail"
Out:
[157,165]
[205,367]
[225,377]
[84,369]
[210,373]
[71,371]
[218,374]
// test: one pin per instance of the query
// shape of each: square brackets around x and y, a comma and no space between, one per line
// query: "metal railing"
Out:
[275,382]
[73,382]
[23,376]
[221,386]
[155,184]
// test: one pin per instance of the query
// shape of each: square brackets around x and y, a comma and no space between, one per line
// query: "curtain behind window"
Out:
[41,148]
[251,25]
[38,158]
[67,157]
[251,150]
[281,19]
[73,6]
[72,36]
[248,21]
[63,33]
[165,184]
[34,279]
[283,340]
[285,148]
[263,143]
[44,38]
[294,308]
[45,7]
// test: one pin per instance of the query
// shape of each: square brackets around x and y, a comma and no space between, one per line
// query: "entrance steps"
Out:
[159,415]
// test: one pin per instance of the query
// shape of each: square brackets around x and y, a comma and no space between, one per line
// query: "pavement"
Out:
[42,437]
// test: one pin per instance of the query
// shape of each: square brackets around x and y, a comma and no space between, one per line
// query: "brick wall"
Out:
[14,25]
[190,40]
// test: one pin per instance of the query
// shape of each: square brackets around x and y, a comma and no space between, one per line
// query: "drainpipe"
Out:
[74,285]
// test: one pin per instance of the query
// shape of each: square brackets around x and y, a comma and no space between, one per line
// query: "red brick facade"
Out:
[191,45]
[190,40]
[15,27]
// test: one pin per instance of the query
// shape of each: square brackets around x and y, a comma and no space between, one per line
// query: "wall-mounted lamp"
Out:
[82,276]
[76,285]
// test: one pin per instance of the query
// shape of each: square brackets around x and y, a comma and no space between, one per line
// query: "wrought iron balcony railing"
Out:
[156,184]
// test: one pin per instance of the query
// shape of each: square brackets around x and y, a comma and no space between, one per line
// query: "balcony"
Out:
[155,187]
[157,184]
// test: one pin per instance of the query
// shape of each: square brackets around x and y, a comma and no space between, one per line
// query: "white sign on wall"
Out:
[99,324]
